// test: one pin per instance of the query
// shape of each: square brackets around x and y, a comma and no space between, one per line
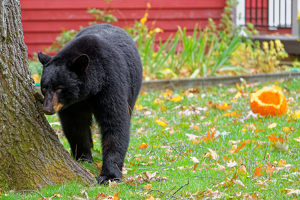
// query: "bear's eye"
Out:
[59,87]
[58,90]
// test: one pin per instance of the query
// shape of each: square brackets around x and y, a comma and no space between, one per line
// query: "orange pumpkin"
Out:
[268,101]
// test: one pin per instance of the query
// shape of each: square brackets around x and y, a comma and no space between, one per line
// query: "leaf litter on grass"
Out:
[231,138]
[211,138]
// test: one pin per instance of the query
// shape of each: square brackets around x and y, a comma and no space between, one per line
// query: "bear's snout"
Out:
[51,104]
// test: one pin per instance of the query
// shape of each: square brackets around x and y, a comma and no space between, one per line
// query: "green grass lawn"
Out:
[195,144]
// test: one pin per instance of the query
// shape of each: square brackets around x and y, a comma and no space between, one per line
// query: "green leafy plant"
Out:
[62,39]
[101,16]
[263,58]
[206,52]
[154,53]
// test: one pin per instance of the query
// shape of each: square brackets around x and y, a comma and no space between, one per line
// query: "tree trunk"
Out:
[31,155]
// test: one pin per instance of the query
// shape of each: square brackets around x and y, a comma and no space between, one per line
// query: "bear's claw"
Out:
[103,180]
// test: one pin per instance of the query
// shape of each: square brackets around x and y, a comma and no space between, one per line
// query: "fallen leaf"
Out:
[100,195]
[196,127]
[297,139]
[195,160]
[260,130]
[242,145]
[273,125]
[150,176]
[296,115]
[223,133]
[212,154]
[220,167]
[167,93]
[281,163]
[270,168]
[195,166]
[233,148]
[232,114]
[116,196]
[231,163]
[193,90]
[243,169]
[234,141]
[195,141]
[176,98]
[161,123]
[250,115]
[290,192]
[239,183]
[192,136]
[223,106]
[158,101]
[147,187]
[143,145]
[192,110]
[138,107]
[273,138]
[214,194]
[163,108]
[237,95]
[263,183]
[150,198]
[286,129]
[258,172]
[209,136]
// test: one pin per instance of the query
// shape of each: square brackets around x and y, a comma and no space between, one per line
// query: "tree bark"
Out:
[31,155]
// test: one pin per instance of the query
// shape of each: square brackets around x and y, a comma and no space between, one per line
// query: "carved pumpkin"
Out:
[268,101]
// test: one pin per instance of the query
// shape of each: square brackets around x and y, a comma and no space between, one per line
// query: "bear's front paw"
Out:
[103,180]
[85,158]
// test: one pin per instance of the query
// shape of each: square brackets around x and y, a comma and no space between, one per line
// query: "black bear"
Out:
[98,72]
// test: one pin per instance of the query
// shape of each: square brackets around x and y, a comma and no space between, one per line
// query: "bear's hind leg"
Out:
[76,121]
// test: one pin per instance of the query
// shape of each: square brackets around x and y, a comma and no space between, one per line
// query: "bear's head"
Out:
[62,80]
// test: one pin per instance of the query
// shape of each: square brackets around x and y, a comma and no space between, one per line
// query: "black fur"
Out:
[99,73]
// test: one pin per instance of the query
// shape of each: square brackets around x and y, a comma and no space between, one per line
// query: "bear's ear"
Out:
[44,58]
[80,64]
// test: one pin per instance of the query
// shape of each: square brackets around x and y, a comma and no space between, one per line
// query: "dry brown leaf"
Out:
[270,169]
[212,154]
[150,176]
[273,125]
[258,172]
[220,167]
[194,159]
[243,169]
[143,145]
[147,187]
[297,139]
[231,163]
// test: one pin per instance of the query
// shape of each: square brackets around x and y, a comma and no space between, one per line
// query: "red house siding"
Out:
[43,20]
